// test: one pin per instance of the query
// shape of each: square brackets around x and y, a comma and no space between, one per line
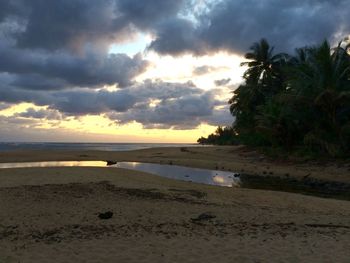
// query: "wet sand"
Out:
[226,158]
[52,214]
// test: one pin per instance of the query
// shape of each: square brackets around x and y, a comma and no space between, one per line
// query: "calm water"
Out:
[7,146]
[196,175]
[54,164]
[326,189]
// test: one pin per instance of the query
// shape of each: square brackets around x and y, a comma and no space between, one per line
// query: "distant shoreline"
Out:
[81,146]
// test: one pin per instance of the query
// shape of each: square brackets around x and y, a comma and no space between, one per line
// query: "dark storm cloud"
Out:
[60,44]
[38,82]
[176,36]
[72,24]
[226,24]
[235,24]
[85,102]
[5,9]
[64,69]
[287,24]
[67,23]
[145,14]
[130,102]
[153,104]
[10,8]
[178,111]
[55,53]
[177,105]
[52,52]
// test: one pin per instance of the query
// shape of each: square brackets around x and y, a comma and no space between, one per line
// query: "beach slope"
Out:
[56,215]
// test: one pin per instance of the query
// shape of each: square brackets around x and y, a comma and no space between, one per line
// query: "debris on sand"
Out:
[203,217]
[109,162]
[106,215]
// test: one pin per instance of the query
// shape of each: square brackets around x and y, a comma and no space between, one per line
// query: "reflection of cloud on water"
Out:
[54,164]
[134,164]
[89,163]
[223,181]
[197,175]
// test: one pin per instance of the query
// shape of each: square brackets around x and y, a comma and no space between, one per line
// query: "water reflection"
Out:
[197,175]
[170,171]
[321,188]
[53,164]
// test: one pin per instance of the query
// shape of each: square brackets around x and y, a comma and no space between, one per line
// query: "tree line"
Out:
[296,103]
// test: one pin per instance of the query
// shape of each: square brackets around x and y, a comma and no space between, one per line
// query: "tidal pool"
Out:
[196,175]
[54,164]
[327,189]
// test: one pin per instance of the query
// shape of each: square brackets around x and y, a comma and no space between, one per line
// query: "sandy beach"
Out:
[226,158]
[52,214]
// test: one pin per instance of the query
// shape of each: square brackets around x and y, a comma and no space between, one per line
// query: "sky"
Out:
[140,71]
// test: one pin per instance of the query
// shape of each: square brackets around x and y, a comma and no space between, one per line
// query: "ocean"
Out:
[8,146]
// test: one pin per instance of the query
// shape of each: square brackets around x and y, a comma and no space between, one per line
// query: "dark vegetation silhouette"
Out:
[221,136]
[296,104]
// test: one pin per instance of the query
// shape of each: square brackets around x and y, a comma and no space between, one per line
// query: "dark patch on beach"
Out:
[110,162]
[81,190]
[307,185]
[327,226]
[105,215]
[191,192]
[203,217]
[184,149]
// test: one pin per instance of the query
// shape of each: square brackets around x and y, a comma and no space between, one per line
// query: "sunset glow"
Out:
[131,71]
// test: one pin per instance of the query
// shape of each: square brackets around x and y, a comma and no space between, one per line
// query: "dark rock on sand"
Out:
[106,215]
[109,162]
[203,217]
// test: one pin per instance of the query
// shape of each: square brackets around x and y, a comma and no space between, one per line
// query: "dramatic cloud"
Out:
[179,108]
[145,14]
[234,24]
[153,104]
[50,45]
[177,36]
[60,69]
[75,23]
[57,53]
[180,113]
[223,24]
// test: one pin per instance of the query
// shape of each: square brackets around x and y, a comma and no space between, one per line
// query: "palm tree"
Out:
[263,79]
[295,103]
[264,67]
[320,81]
